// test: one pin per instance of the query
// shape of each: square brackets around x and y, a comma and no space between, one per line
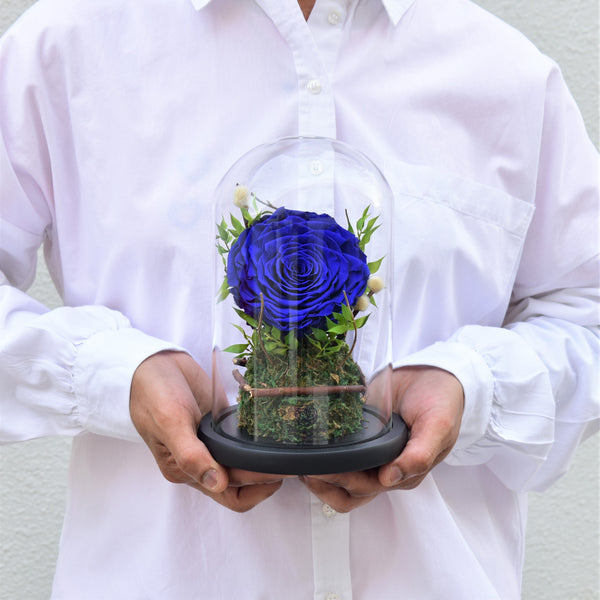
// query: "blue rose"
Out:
[301,263]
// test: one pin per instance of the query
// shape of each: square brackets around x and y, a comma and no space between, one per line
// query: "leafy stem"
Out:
[353,322]
[259,328]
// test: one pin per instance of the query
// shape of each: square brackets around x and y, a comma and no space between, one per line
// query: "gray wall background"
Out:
[563,552]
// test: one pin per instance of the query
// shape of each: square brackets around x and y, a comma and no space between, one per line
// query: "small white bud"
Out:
[240,196]
[375,283]
[362,303]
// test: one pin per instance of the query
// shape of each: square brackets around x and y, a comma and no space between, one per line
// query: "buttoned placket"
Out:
[315,46]
[330,530]
[331,552]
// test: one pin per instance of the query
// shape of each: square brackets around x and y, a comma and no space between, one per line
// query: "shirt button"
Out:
[314,86]
[329,513]
[316,167]
[332,597]
[334,18]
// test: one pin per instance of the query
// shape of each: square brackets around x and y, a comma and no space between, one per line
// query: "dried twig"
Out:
[243,383]
[316,390]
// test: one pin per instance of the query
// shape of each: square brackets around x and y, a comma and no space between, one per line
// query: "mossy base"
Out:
[301,418]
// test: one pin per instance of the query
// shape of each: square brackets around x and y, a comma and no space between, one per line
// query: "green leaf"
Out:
[367,237]
[346,313]
[245,334]
[223,291]
[334,348]
[222,229]
[280,351]
[338,329]
[291,341]
[361,222]
[314,342]
[236,348]
[374,266]
[319,335]
[361,321]
[350,228]
[371,224]
[237,226]
[250,320]
[274,332]
[246,215]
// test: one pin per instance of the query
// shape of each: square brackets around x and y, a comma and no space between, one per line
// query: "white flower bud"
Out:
[240,196]
[375,283]
[362,303]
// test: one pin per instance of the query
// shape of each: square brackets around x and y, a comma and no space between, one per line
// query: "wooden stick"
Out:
[316,390]
[244,385]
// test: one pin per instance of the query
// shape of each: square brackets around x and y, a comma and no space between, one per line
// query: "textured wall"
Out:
[562,558]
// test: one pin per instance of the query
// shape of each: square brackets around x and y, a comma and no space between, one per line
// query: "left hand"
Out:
[431,402]
[169,395]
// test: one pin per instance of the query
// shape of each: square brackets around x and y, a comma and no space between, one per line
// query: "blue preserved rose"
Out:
[301,263]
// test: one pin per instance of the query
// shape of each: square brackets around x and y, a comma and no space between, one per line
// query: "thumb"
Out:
[191,455]
[170,392]
[428,445]
[195,461]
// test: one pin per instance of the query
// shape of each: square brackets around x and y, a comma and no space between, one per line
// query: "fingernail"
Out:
[396,475]
[210,479]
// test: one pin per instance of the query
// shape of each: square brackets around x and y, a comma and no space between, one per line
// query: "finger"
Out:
[249,496]
[194,459]
[337,497]
[242,499]
[166,414]
[358,483]
[240,477]
[177,433]
[430,442]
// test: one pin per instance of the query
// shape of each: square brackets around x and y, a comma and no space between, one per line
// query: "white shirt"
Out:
[117,119]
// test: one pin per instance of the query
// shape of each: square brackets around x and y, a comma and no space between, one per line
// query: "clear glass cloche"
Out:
[302,346]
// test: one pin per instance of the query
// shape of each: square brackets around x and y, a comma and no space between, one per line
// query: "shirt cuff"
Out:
[102,373]
[475,377]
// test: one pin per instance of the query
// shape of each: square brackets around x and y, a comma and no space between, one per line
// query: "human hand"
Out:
[170,393]
[431,402]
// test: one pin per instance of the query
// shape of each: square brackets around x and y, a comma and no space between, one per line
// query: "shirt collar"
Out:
[394,8]
[198,4]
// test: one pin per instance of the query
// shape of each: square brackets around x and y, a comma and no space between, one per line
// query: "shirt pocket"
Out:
[456,250]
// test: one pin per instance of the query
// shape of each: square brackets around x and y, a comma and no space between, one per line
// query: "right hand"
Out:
[170,393]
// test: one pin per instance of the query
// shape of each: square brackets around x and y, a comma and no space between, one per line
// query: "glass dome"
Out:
[302,322]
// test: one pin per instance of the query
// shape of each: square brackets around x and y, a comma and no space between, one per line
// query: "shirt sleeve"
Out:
[64,371]
[532,386]
[67,370]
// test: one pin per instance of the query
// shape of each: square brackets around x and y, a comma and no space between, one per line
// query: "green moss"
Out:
[301,418]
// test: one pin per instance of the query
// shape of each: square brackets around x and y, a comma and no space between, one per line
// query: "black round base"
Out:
[370,447]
